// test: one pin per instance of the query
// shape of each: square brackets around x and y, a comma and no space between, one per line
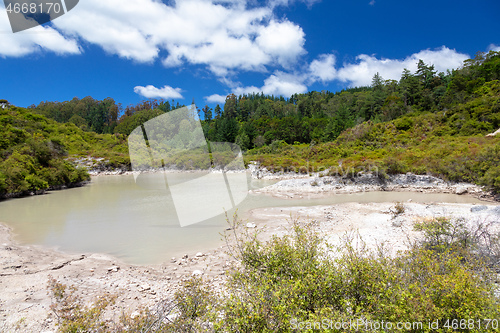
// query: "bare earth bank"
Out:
[25,270]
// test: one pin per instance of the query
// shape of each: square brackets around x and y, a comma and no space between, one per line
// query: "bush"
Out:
[72,315]
[477,242]
[294,278]
[300,279]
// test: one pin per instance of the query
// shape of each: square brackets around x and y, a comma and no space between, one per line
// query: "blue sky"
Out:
[205,49]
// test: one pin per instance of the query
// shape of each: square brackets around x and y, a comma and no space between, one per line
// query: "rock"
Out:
[494,133]
[397,222]
[460,190]
[197,273]
[135,314]
[199,254]
[185,256]
[114,269]
[172,317]
[496,210]
[144,287]
[251,225]
[478,208]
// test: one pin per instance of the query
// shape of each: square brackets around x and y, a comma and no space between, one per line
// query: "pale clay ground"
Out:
[24,270]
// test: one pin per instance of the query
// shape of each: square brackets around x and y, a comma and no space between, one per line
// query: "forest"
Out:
[427,122]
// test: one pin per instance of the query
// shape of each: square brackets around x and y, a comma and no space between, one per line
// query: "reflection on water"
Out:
[138,224]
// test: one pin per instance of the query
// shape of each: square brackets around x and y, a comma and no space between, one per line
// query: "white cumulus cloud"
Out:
[283,84]
[493,47]
[284,40]
[166,92]
[277,84]
[362,71]
[323,68]
[216,98]
[33,40]
[275,3]
[224,36]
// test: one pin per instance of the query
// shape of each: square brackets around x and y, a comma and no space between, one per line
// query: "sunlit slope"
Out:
[33,151]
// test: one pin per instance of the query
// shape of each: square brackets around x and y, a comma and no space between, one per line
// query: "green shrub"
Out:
[403,124]
[299,280]
[292,279]
[72,316]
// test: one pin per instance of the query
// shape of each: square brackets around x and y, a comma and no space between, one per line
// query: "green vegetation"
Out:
[34,152]
[102,116]
[425,123]
[300,281]
[448,140]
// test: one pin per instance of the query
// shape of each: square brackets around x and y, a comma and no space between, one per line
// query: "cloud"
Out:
[493,47]
[166,92]
[224,36]
[323,68]
[32,41]
[283,84]
[276,3]
[372,3]
[216,98]
[362,71]
[277,84]
[284,40]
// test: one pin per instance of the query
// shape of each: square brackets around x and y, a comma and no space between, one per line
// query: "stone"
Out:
[251,225]
[144,287]
[114,269]
[199,254]
[172,317]
[197,272]
[397,222]
[460,190]
[494,133]
[476,209]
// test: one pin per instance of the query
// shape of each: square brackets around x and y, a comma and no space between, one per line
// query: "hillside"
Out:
[451,144]
[427,122]
[34,152]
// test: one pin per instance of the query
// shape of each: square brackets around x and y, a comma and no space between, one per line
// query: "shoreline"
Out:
[25,269]
[293,184]
[319,185]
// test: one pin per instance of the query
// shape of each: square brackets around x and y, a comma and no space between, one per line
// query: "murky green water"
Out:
[140,225]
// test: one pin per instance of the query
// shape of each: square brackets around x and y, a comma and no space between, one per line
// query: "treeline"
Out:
[254,120]
[427,122]
[100,116]
[451,144]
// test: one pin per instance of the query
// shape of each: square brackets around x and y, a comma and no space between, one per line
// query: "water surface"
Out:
[139,225]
